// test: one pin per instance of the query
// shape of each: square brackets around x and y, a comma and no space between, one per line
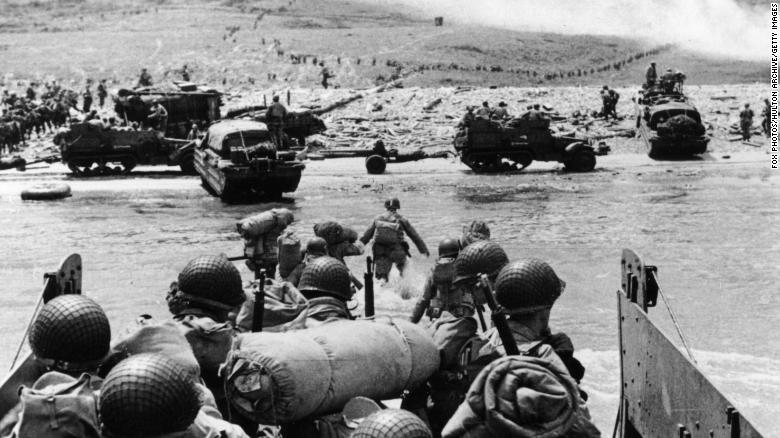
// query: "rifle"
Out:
[259,307]
[369,290]
[498,315]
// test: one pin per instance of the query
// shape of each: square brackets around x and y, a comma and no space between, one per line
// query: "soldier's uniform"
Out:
[387,230]
[145,80]
[500,113]
[484,111]
[87,95]
[102,93]
[439,294]
[765,123]
[159,117]
[650,75]
[274,117]
[746,121]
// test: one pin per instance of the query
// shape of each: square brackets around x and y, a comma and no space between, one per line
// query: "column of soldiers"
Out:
[164,378]
[35,112]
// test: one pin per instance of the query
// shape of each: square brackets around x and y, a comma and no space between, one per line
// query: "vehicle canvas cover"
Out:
[662,112]
[221,134]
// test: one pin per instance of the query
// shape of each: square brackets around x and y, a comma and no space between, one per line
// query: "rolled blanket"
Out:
[522,396]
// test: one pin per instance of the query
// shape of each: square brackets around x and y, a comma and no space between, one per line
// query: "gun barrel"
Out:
[498,316]
[259,307]
[369,288]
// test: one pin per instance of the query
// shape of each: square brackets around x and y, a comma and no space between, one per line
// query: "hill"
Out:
[271,43]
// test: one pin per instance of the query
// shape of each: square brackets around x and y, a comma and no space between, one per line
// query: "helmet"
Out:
[326,275]
[71,329]
[527,286]
[481,257]
[317,246]
[449,248]
[148,394]
[393,204]
[212,281]
[392,423]
[477,230]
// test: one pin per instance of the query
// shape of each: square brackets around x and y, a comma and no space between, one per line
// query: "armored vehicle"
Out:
[297,125]
[238,157]
[186,103]
[90,148]
[494,146]
[669,123]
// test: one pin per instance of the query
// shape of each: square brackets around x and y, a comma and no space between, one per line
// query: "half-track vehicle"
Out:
[238,158]
[500,146]
[669,123]
[186,103]
[91,148]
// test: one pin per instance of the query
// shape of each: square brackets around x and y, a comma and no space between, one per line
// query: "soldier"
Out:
[746,121]
[387,231]
[477,230]
[465,122]
[87,95]
[453,334]
[500,113]
[69,338]
[194,133]
[392,423]
[668,81]
[128,410]
[145,80]
[484,111]
[261,233]
[274,117]
[30,93]
[534,113]
[438,294]
[158,116]
[185,75]
[325,73]
[606,101]
[527,289]
[326,283]
[102,92]
[765,122]
[650,75]
[316,247]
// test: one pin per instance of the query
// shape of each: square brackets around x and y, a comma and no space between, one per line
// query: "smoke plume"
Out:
[723,28]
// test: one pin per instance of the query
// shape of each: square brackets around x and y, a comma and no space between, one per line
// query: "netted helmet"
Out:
[146,395]
[481,257]
[326,275]
[393,204]
[527,286]
[316,246]
[211,281]
[449,248]
[71,330]
[392,423]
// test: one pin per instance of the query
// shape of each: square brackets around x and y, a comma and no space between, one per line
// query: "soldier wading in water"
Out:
[387,230]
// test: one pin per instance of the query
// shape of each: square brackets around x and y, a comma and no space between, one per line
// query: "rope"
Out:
[674,319]
[26,332]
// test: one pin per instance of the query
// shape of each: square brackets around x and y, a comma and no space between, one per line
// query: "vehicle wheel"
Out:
[81,168]
[187,164]
[376,165]
[128,164]
[581,161]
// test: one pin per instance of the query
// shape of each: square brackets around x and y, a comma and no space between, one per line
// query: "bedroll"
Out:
[289,252]
[278,378]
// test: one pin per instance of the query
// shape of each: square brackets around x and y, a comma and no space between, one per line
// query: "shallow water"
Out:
[710,226]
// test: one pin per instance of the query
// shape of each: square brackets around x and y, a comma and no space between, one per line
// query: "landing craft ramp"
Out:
[663,393]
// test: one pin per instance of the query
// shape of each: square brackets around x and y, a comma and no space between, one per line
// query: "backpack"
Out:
[388,232]
[58,406]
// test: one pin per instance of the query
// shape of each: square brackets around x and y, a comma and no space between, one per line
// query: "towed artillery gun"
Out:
[497,146]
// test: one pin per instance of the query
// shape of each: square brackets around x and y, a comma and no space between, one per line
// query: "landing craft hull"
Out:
[663,393]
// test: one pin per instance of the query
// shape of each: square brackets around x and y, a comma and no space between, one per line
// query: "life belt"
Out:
[46,192]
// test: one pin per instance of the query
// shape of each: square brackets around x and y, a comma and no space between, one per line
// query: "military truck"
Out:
[502,146]
[91,149]
[237,158]
[669,123]
[185,103]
